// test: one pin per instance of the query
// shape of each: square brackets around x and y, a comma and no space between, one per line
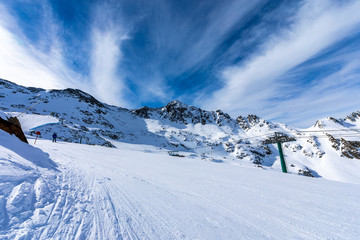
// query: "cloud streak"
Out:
[317,26]
[180,37]
[43,64]
[106,55]
[107,35]
[333,95]
[26,65]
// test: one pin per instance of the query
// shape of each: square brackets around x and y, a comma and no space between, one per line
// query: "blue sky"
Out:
[287,61]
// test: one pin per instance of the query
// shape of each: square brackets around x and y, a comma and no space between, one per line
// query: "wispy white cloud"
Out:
[105,57]
[248,87]
[220,22]
[179,42]
[107,35]
[44,65]
[334,95]
[24,64]
[182,42]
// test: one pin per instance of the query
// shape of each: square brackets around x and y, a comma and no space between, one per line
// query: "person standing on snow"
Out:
[54,137]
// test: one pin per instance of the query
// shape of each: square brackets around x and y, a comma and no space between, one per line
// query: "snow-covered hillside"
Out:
[110,175]
[134,191]
[329,149]
[28,183]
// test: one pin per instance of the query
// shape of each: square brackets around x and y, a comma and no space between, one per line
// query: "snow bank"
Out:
[27,185]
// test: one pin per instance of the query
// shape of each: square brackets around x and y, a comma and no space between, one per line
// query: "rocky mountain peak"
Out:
[78,94]
[143,112]
[353,117]
[180,112]
[335,120]
[177,104]
[7,84]
[253,119]
[319,124]
[243,123]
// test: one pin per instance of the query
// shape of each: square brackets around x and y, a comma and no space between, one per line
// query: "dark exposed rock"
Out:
[353,116]
[350,149]
[6,83]
[12,126]
[267,150]
[177,112]
[17,105]
[313,141]
[80,95]
[257,153]
[87,120]
[54,114]
[87,113]
[142,112]
[229,147]
[336,120]
[305,172]
[253,119]
[35,90]
[335,143]
[243,123]
[182,113]
[319,124]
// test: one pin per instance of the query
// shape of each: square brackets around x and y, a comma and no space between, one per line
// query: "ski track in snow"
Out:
[114,198]
[133,192]
[106,198]
[137,191]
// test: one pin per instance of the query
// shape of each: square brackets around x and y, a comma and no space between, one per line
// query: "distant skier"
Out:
[54,137]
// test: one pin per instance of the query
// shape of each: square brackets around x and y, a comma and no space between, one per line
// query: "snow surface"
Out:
[228,185]
[136,192]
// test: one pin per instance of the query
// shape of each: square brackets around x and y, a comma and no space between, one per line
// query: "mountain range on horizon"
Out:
[323,150]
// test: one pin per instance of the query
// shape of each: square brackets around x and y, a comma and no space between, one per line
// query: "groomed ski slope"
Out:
[137,192]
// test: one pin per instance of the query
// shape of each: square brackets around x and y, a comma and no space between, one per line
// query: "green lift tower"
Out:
[278,139]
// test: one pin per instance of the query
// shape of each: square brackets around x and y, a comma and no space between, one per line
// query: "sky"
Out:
[286,61]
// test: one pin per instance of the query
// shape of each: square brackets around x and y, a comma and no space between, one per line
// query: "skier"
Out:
[54,137]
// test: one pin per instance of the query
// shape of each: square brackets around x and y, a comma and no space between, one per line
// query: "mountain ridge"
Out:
[79,117]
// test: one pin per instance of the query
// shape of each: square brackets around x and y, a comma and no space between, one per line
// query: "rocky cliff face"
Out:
[12,126]
[179,112]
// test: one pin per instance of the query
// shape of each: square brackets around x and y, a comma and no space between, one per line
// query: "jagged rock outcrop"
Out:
[353,116]
[78,94]
[179,112]
[12,126]
[349,149]
[243,123]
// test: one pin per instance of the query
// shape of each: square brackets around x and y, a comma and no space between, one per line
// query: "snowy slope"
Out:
[136,192]
[27,186]
[78,117]
[228,185]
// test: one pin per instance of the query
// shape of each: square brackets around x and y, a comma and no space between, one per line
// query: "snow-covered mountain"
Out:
[228,185]
[329,149]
